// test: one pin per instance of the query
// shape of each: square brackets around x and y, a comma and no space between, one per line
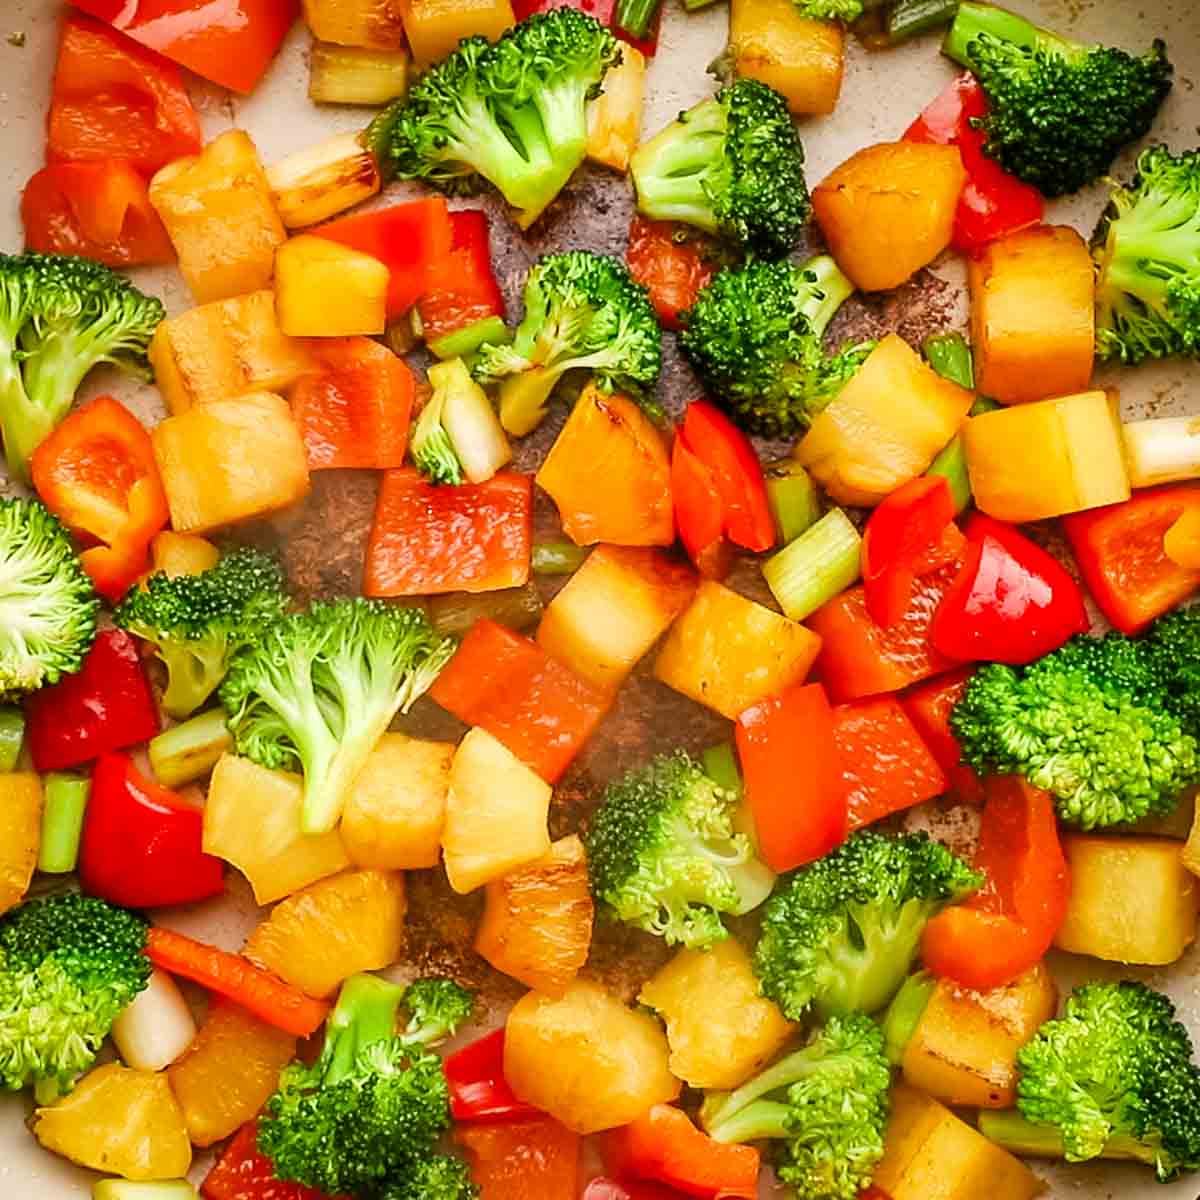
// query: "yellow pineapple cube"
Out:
[320,181]
[174,554]
[324,289]
[802,58]
[373,23]
[20,834]
[435,27]
[615,116]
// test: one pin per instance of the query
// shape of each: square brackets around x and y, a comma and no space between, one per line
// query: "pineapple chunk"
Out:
[615,116]
[252,820]
[586,1059]
[225,349]
[319,181]
[396,810]
[325,289]
[354,75]
[537,922]
[929,1154]
[218,211]
[435,27]
[372,23]
[612,610]
[333,929]
[803,59]
[174,554]
[720,1030]
[1132,899]
[496,812]
[964,1049]
[20,834]
[230,461]
[728,653]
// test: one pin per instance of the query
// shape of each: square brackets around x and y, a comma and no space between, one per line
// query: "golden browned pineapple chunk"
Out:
[803,59]
[435,27]
[325,289]
[20,834]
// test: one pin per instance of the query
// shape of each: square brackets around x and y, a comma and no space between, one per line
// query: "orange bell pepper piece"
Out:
[517,1160]
[929,706]
[242,1173]
[673,262]
[96,472]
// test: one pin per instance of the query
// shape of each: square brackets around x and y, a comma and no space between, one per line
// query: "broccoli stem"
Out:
[756,1122]
[1016,1133]
[669,170]
[723,1114]
[23,424]
[365,1013]
[66,798]
[194,669]
[832,288]
[904,1015]
[976,19]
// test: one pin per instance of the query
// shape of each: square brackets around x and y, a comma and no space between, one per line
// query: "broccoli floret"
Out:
[317,689]
[841,933]
[69,964]
[1147,251]
[1091,723]
[732,165]
[754,337]
[371,1107]
[826,1104]
[1112,1077]
[1058,112]
[197,622]
[438,1177]
[583,312]
[437,1007]
[59,317]
[47,603]
[663,854]
[513,113]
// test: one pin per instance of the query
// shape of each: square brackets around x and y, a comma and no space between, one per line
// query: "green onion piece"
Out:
[558,558]
[64,801]
[820,563]
[795,502]
[454,614]
[190,750]
[951,464]
[463,342]
[721,766]
[12,736]
[904,1015]
[950,356]
[129,1189]
[911,18]
[635,17]
[354,75]
[696,5]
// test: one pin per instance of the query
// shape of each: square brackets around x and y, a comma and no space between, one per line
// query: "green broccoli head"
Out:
[69,964]
[1170,652]
[59,317]
[1112,1077]
[663,854]
[1090,723]
[513,113]
[732,165]
[47,603]
[197,622]
[317,689]
[438,1177]
[1147,252]
[826,1105]
[754,337]
[840,934]
[1058,112]
[437,1007]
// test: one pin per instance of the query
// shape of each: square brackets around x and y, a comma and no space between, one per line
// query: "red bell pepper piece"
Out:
[505,683]
[1120,554]
[242,1173]
[672,262]
[409,239]
[665,1146]
[909,523]
[793,776]
[699,513]
[929,706]
[886,767]
[602,10]
[427,539]
[462,288]
[97,473]
[106,706]
[99,210]
[354,411]
[114,99]
[1011,601]
[603,1188]
[141,842]
[231,42]
[478,1089]
[993,203]
[1010,923]
[517,1160]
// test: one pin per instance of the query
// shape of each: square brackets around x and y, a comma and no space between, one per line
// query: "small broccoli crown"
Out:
[1089,723]
[197,622]
[437,1008]
[583,311]
[432,450]
[437,1178]
[1147,251]
[734,166]
[47,603]
[830,10]
[754,337]
[69,965]
[841,933]
[663,854]
[1170,650]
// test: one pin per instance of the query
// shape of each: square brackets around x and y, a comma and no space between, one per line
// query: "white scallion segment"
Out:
[809,571]
[356,75]
[470,421]
[156,1028]
[321,181]
[1162,450]
[128,1189]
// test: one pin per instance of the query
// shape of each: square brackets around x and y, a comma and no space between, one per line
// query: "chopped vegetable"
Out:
[434,31]
[461,295]
[64,802]
[21,820]
[672,263]
[371,23]
[242,1173]
[817,566]
[156,1028]
[557,558]
[1161,450]
[458,433]
[326,289]
[478,1089]
[455,613]
[512,1159]
[320,181]
[128,1189]
[189,751]
[615,116]
[356,74]
[928,706]
[792,495]
[12,737]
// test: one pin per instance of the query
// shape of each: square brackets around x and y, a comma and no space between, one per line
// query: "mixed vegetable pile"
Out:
[847,1000]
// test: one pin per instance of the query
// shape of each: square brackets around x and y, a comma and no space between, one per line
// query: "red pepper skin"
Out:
[462,287]
[603,1188]
[1012,602]
[106,705]
[478,1089]
[672,262]
[242,1173]
[699,513]
[602,10]
[993,202]
[928,706]
[141,844]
